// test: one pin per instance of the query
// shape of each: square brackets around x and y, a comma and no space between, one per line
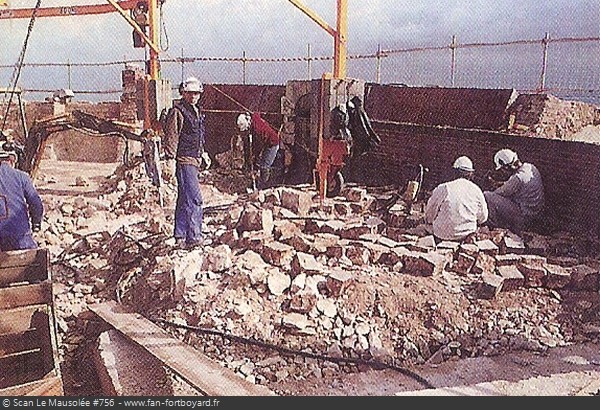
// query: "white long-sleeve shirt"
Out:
[455,209]
[525,188]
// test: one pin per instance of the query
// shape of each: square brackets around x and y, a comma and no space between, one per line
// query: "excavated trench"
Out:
[341,299]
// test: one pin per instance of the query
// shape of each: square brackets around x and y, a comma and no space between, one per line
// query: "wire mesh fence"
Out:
[565,67]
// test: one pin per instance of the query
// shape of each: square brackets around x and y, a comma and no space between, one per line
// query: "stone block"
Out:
[513,278]
[423,264]
[296,201]
[277,253]
[256,219]
[484,264]
[584,277]
[534,274]
[488,247]
[490,286]
[305,263]
[557,277]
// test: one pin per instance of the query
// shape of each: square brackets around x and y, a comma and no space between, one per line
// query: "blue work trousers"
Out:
[188,210]
[11,243]
[265,165]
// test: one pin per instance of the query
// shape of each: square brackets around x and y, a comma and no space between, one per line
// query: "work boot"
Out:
[194,244]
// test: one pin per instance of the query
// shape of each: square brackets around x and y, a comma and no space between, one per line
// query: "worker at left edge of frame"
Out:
[21,208]
[184,138]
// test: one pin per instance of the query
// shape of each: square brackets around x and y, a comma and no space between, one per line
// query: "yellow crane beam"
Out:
[339,34]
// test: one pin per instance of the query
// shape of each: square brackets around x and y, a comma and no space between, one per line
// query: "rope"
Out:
[17,72]
[239,104]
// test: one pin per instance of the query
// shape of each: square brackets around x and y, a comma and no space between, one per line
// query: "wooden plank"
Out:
[18,342]
[19,319]
[18,274]
[200,371]
[26,257]
[20,368]
[51,385]
[30,265]
[17,296]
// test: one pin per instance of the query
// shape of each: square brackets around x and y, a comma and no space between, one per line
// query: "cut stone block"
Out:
[513,244]
[507,259]
[336,280]
[354,231]
[534,274]
[277,253]
[359,255]
[513,278]
[488,247]
[463,263]
[423,264]
[484,264]
[490,286]
[305,263]
[296,201]
[557,277]
[584,277]
[256,219]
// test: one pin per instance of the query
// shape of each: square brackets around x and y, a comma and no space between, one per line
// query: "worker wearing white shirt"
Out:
[456,208]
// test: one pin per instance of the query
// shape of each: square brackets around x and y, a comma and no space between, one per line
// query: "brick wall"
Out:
[222,112]
[570,170]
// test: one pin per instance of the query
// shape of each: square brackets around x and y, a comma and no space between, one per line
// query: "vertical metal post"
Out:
[154,36]
[340,50]
[69,86]
[378,65]
[545,42]
[243,67]
[182,64]
[453,62]
[309,62]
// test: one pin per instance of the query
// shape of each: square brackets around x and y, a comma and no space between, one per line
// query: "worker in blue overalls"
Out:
[184,151]
[21,208]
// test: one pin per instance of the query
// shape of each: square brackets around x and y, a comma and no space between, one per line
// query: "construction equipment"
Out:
[28,341]
[32,151]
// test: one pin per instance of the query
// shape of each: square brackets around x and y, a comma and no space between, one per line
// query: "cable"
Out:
[375,364]
[163,27]
[19,65]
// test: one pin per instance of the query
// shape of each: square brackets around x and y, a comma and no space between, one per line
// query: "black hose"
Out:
[375,364]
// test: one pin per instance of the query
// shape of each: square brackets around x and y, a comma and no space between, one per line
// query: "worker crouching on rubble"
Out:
[520,199]
[456,208]
[184,151]
[264,142]
[20,203]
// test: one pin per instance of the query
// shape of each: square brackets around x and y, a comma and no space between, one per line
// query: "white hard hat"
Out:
[505,157]
[243,122]
[463,164]
[192,85]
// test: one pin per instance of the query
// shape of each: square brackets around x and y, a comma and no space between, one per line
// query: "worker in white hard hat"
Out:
[21,208]
[456,208]
[264,147]
[184,151]
[520,199]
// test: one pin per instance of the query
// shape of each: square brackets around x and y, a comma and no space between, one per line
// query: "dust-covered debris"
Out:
[286,288]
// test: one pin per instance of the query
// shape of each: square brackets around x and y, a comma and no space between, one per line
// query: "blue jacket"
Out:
[19,203]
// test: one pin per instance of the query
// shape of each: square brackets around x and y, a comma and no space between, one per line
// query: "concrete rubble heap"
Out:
[341,280]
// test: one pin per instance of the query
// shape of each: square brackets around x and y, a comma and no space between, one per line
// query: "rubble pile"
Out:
[343,279]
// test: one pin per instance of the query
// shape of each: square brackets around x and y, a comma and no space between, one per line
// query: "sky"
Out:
[275,28]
